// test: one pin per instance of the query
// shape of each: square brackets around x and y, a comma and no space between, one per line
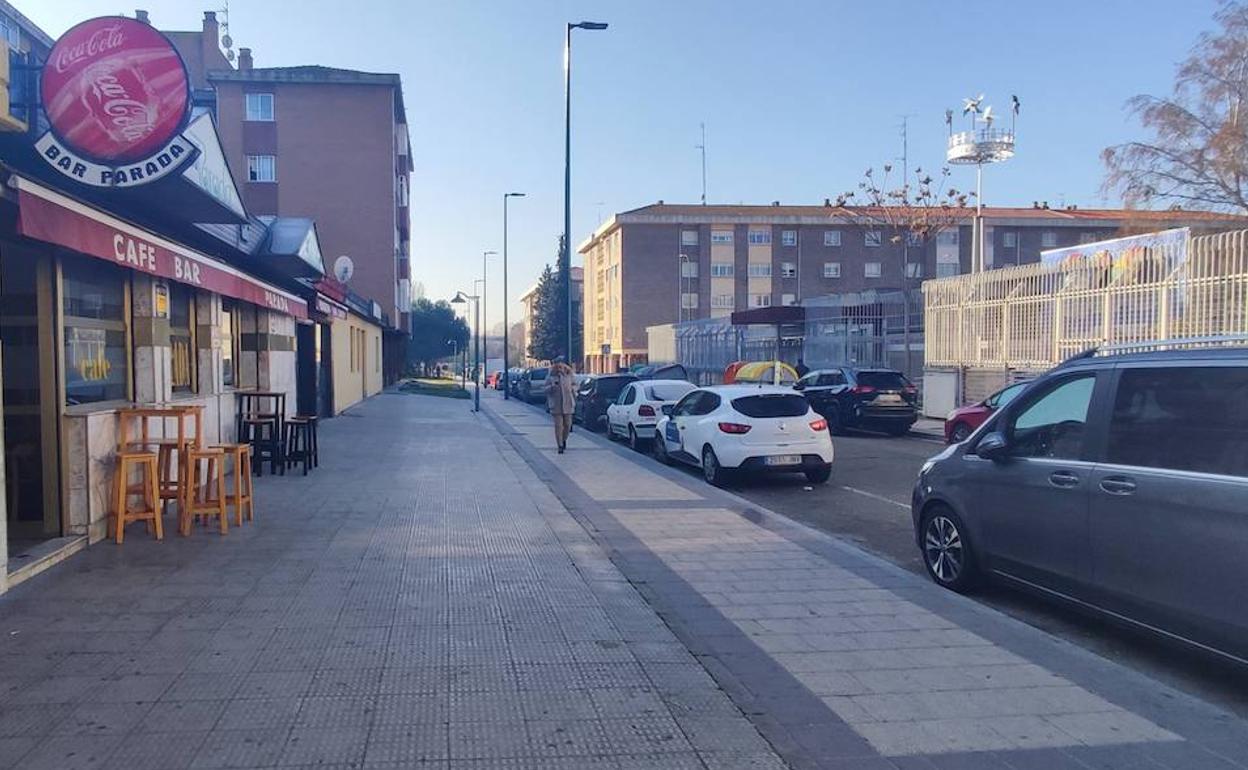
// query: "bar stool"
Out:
[300,442]
[242,493]
[264,435]
[123,490]
[203,497]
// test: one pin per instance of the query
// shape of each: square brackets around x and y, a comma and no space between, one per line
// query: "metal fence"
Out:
[1034,316]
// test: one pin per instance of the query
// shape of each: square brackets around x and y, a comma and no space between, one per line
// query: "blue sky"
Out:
[798,97]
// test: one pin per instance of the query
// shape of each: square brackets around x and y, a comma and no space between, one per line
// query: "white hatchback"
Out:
[746,428]
[640,405]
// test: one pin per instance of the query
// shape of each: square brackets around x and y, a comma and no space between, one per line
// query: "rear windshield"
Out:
[883,380]
[778,405]
[610,387]
[668,391]
[538,374]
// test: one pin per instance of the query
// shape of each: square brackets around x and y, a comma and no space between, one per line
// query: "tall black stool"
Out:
[301,442]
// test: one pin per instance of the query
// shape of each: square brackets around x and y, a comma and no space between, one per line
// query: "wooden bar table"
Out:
[170,487]
[264,406]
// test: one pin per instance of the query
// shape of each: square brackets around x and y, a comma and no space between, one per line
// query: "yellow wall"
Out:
[357,361]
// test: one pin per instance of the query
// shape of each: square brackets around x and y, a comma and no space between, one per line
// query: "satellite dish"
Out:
[227,41]
[344,268]
[229,55]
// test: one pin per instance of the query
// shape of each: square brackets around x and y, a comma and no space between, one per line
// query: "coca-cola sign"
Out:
[117,96]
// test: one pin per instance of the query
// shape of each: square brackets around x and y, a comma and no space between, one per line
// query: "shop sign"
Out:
[160,299]
[48,216]
[327,308]
[117,97]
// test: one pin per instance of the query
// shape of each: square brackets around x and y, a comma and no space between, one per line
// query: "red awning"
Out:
[46,215]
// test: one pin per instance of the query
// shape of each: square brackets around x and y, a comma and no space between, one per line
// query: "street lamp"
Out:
[461,298]
[680,286]
[567,168]
[485,350]
[506,328]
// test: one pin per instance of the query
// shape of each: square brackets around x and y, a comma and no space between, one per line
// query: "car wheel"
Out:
[947,552]
[961,432]
[610,431]
[714,474]
[819,475]
[634,442]
[836,425]
[660,451]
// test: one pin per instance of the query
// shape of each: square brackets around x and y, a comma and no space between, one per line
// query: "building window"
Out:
[96,355]
[688,269]
[721,236]
[760,300]
[229,344]
[947,238]
[914,239]
[788,270]
[182,338]
[376,354]
[1087,238]
[722,301]
[871,269]
[689,300]
[721,269]
[1048,239]
[872,238]
[831,269]
[261,168]
[788,299]
[914,269]
[831,237]
[758,270]
[688,237]
[260,107]
[760,237]
[946,269]
[602,308]
[1010,240]
[788,237]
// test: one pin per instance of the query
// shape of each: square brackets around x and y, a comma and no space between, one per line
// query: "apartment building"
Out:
[667,263]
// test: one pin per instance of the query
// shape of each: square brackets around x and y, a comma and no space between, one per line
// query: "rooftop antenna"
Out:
[983,143]
[226,40]
[702,147]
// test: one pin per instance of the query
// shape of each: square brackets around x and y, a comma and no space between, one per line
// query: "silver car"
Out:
[1119,483]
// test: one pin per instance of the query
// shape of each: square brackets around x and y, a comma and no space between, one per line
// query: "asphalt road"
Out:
[867,503]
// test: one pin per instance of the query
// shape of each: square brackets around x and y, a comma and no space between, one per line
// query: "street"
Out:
[867,503]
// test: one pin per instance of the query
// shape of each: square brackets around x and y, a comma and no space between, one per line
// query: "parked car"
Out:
[532,385]
[874,399]
[639,406]
[661,372]
[513,379]
[595,395]
[731,429]
[963,421]
[1119,483]
[493,380]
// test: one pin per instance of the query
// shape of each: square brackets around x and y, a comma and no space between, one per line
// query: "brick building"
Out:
[668,263]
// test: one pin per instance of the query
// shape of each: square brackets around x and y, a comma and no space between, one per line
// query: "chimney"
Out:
[1045,205]
[140,15]
[244,59]
[211,33]
[775,203]
[827,202]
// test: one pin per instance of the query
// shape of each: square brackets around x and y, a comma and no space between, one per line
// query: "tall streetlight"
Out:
[506,328]
[566,257]
[485,349]
[461,298]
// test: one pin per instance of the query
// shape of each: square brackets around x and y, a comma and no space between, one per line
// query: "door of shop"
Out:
[325,372]
[307,367]
[31,483]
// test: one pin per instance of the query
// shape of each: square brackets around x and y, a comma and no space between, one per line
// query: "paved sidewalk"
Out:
[843,660]
[420,600]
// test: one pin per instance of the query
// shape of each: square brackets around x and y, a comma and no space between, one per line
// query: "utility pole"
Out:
[905,244]
[702,147]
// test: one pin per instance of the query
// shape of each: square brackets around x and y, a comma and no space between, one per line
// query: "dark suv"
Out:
[595,395]
[874,399]
[1118,482]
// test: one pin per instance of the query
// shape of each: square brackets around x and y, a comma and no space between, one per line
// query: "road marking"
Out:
[874,496]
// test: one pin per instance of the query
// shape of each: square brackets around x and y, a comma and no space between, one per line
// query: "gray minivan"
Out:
[1117,482]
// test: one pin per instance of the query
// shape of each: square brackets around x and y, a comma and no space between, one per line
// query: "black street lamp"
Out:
[461,298]
[506,328]
[566,257]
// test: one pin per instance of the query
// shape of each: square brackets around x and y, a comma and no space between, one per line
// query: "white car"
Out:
[639,406]
[748,428]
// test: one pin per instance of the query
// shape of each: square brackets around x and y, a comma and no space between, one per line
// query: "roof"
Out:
[28,26]
[1221,352]
[750,389]
[315,74]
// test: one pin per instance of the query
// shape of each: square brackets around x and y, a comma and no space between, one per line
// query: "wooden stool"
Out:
[299,431]
[241,496]
[263,432]
[169,478]
[123,490]
[203,496]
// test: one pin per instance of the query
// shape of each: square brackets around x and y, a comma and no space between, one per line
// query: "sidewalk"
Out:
[843,660]
[420,600]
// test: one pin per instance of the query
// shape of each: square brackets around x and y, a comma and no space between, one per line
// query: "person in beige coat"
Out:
[561,398]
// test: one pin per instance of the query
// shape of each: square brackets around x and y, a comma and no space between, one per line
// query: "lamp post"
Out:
[454,352]
[680,285]
[461,298]
[566,257]
[506,328]
[485,350]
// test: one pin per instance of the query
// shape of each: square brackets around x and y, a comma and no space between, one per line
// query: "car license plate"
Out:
[888,398]
[784,460]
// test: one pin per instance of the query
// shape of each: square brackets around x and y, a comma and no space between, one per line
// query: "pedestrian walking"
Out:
[560,399]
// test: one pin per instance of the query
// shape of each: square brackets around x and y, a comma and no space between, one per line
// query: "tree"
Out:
[436,331]
[549,338]
[1197,154]
[911,214]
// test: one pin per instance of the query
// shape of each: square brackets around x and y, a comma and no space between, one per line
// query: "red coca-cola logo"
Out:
[115,90]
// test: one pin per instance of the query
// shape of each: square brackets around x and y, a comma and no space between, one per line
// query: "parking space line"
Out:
[874,496]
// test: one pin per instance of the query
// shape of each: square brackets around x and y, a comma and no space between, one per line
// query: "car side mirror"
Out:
[799,386]
[993,446]
[667,409]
